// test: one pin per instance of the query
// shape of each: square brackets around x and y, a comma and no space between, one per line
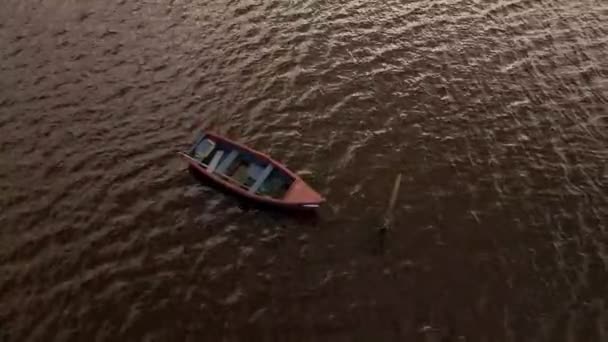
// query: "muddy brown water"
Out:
[494,112]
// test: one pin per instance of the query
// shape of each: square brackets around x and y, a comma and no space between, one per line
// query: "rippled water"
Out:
[494,112]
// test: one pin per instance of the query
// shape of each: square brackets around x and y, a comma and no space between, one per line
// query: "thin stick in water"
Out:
[391,204]
[388,218]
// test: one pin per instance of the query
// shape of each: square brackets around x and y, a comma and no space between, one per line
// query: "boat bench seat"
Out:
[225,164]
[215,161]
[261,178]
[202,148]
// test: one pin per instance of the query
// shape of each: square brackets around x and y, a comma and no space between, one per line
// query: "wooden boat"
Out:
[249,173]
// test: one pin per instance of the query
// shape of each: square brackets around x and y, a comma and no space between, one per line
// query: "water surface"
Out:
[494,112]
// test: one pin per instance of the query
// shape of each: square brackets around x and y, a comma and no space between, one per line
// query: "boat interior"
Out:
[241,168]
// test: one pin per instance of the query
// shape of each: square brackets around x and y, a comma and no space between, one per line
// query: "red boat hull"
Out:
[299,196]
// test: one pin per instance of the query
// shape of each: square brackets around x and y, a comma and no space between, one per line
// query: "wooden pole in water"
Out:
[388,218]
